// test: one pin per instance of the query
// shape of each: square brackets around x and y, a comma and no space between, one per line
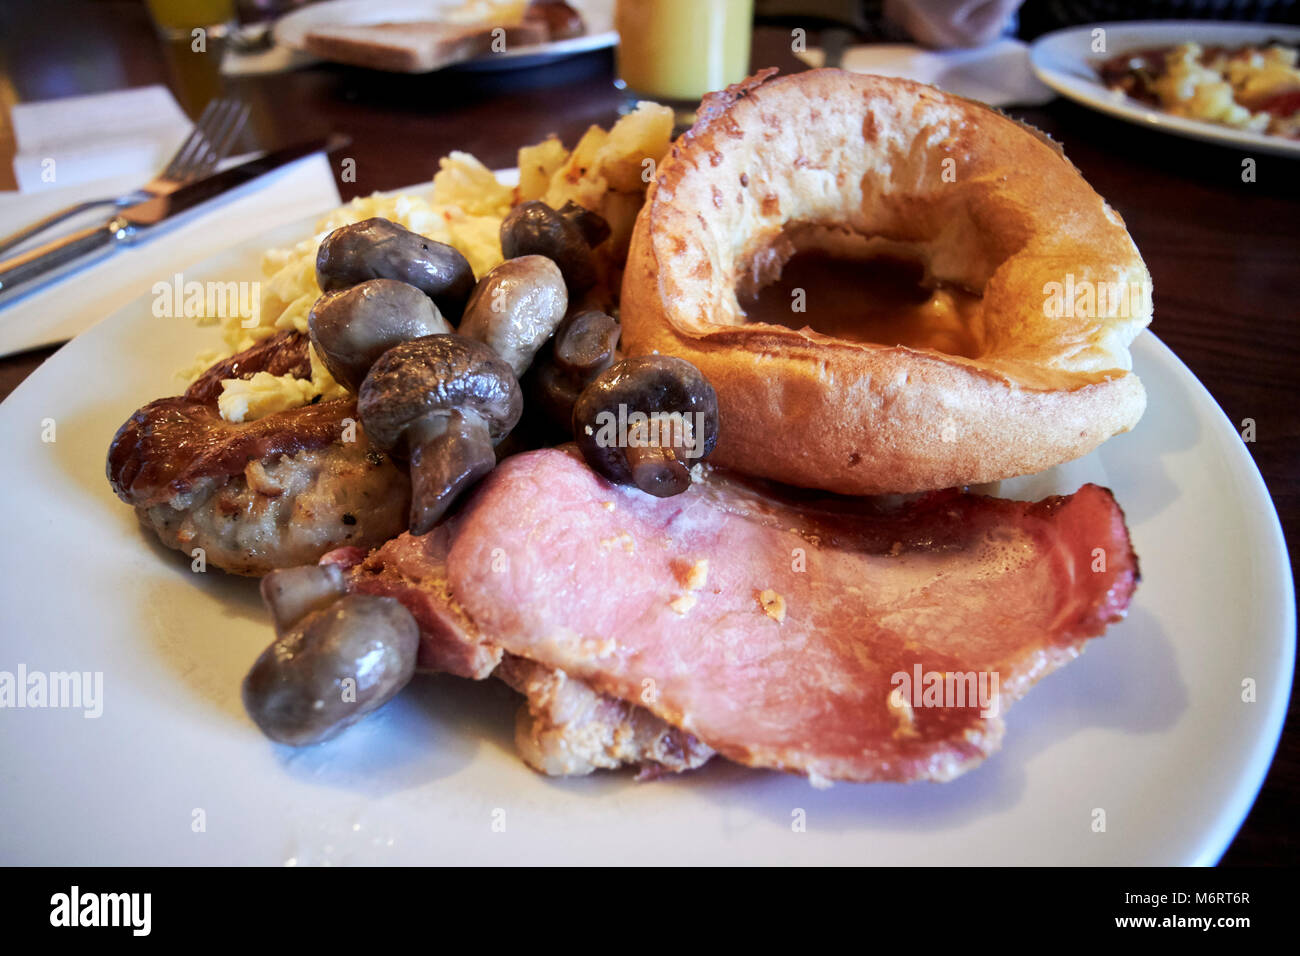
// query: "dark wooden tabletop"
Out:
[1224,253]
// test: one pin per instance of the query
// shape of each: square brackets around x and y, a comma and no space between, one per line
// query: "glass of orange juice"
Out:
[675,51]
[175,19]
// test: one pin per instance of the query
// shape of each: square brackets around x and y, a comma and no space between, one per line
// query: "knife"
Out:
[57,258]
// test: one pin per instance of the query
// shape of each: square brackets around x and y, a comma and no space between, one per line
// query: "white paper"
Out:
[65,142]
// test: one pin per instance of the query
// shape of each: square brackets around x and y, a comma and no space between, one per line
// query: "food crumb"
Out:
[818,781]
[691,577]
[683,603]
[622,538]
[900,708]
[773,605]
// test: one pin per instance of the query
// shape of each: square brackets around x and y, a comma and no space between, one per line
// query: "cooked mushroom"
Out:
[332,667]
[566,237]
[382,249]
[516,307]
[592,225]
[644,420]
[583,347]
[445,401]
[352,328]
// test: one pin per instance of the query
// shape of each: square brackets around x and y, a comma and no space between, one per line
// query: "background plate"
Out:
[1149,725]
[1064,61]
[291,30]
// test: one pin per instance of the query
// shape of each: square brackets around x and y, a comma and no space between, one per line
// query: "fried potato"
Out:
[579,179]
[537,166]
[642,135]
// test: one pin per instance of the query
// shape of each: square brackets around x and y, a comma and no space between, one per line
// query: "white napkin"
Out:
[998,74]
[60,143]
[68,306]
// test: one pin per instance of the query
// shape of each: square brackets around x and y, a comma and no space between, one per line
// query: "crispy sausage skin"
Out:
[254,496]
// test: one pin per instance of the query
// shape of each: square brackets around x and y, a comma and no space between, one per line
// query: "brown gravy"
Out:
[880,300]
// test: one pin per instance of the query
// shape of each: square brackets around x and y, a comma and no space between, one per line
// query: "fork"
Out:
[207,145]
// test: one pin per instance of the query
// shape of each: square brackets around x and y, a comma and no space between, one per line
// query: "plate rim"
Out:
[1245,794]
[540,52]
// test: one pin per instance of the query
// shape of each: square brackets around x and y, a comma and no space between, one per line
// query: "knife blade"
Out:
[59,257]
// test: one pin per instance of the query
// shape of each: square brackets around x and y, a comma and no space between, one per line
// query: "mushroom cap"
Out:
[534,228]
[382,249]
[646,384]
[438,374]
[593,227]
[352,327]
[292,691]
[516,307]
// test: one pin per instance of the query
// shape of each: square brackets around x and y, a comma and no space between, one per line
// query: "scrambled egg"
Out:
[265,394]
[1229,87]
[465,211]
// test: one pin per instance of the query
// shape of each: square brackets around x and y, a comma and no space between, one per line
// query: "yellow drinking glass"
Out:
[175,19]
[675,51]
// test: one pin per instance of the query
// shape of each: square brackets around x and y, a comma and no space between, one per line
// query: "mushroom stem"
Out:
[447,456]
[656,471]
[290,594]
[585,344]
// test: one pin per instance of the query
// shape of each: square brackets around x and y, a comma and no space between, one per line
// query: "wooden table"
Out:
[1223,253]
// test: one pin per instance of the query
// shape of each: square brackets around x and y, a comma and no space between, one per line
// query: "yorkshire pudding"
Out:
[1049,288]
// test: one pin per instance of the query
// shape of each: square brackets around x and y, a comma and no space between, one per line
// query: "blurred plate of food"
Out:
[420,36]
[1236,84]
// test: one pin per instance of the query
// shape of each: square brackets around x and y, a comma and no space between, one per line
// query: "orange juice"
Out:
[181,16]
[682,49]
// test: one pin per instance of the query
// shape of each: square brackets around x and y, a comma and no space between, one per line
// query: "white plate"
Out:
[1064,61]
[1148,726]
[291,30]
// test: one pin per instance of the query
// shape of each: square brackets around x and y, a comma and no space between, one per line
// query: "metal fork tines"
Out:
[208,143]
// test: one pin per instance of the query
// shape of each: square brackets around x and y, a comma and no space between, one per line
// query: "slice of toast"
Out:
[418,46]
